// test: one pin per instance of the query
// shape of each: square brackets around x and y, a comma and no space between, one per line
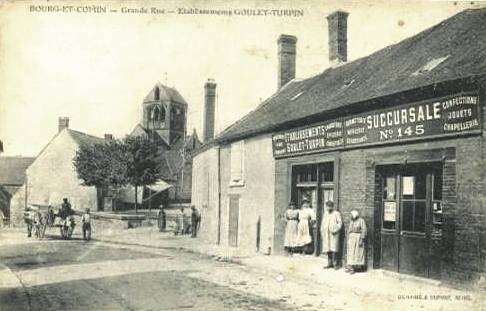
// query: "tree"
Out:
[142,169]
[103,165]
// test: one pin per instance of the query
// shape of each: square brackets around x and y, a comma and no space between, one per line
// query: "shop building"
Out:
[397,135]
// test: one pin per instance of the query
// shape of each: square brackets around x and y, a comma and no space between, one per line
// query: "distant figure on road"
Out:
[161,220]
[50,216]
[179,219]
[29,220]
[195,221]
[86,219]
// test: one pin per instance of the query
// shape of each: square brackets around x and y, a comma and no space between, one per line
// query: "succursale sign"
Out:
[449,116]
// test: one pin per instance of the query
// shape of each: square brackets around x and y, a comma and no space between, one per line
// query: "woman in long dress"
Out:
[292,216]
[307,218]
[356,243]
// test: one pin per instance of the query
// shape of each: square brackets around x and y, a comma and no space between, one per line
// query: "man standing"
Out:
[86,219]
[179,219]
[330,229]
[29,220]
[195,221]
[161,221]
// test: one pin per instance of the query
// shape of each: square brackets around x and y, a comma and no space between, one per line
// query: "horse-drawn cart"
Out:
[40,217]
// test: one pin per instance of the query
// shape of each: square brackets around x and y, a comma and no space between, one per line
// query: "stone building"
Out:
[12,177]
[397,135]
[52,175]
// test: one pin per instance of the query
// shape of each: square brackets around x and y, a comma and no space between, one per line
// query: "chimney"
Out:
[338,37]
[63,123]
[286,59]
[209,106]
[108,136]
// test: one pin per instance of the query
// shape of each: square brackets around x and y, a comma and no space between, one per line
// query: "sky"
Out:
[96,68]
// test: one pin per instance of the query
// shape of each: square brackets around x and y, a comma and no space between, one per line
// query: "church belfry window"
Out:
[158,114]
[157,93]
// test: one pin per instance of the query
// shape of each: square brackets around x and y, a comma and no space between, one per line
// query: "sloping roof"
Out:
[156,134]
[454,48]
[83,139]
[165,93]
[12,169]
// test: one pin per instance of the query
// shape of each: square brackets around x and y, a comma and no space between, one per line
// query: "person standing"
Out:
[161,220]
[195,221]
[86,219]
[355,255]
[330,229]
[307,219]
[292,217]
[29,220]
[179,227]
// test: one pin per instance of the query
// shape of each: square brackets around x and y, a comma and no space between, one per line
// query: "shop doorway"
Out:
[411,218]
[316,183]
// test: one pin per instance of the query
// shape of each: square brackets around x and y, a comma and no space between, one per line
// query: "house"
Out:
[164,121]
[52,175]
[12,177]
[397,135]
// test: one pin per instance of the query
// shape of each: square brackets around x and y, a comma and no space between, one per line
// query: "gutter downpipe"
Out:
[218,242]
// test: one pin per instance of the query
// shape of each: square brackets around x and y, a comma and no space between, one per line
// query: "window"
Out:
[157,93]
[237,163]
[157,114]
[413,198]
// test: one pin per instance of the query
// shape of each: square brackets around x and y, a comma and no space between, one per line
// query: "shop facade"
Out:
[397,135]
[414,171]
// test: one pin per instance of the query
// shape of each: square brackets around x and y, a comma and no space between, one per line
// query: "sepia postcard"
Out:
[242,155]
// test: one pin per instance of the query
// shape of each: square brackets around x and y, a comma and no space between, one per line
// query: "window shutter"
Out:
[237,159]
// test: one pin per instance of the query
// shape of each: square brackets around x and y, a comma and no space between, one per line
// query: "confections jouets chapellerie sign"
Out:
[450,116]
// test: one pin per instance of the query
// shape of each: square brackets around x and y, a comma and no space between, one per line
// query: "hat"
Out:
[330,203]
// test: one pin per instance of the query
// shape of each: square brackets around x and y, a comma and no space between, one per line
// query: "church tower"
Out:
[164,114]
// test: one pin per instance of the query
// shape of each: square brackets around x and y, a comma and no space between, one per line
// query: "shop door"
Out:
[408,230]
[234,211]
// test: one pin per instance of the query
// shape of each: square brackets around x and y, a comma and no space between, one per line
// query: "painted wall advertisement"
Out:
[451,116]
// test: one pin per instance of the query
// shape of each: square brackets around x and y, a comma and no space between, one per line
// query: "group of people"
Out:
[182,223]
[301,224]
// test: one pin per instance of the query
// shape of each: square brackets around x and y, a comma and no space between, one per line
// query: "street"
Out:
[145,270]
[78,275]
